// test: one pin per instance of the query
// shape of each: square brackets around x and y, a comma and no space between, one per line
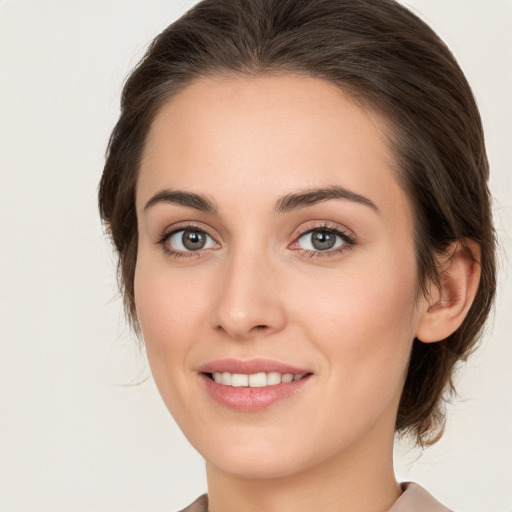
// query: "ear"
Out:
[449,302]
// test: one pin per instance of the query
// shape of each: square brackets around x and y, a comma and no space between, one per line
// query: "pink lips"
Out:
[247,399]
[250,366]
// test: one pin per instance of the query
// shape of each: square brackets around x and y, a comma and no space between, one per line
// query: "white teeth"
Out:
[273,378]
[239,380]
[255,380]
[226,378]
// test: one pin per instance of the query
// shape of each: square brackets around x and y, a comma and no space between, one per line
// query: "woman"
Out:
[297,191]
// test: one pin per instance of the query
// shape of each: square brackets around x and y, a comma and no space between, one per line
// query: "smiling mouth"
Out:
[254,380]
[248,389]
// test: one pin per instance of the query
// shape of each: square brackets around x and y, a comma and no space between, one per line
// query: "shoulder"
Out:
[416,498]
[200,505]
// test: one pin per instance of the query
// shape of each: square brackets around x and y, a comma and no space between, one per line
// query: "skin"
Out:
[254,291]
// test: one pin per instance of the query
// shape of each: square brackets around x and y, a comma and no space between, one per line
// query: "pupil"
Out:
[323,240]
[193,240]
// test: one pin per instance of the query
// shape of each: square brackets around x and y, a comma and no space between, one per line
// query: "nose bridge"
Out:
[248,299]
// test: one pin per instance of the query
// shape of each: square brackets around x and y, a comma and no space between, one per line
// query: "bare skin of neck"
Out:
[358,480]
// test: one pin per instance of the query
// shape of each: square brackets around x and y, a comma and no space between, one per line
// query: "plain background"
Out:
[82,427]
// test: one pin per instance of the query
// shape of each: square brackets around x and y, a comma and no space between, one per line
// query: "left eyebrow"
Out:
[312,196]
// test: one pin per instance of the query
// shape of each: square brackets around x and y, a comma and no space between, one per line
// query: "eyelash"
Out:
[348,239]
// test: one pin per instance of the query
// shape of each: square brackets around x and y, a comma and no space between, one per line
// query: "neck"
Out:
[357,480]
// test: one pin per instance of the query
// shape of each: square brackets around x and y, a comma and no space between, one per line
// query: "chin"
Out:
[255,468]
[256,461]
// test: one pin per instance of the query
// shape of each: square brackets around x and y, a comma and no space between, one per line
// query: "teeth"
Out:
[273,378]
[239,380]
[255,380]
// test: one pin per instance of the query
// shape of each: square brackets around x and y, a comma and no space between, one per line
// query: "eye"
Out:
[187,240]
[321,240]
[324,241]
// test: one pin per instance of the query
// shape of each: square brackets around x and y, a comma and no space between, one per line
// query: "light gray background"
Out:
[76,431]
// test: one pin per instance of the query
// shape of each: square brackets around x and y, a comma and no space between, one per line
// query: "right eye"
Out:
[186,241]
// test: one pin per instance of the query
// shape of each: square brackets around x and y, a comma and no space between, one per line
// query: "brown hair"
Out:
[386,58]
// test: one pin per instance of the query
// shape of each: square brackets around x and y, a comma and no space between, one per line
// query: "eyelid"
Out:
[327,226]
[187,225]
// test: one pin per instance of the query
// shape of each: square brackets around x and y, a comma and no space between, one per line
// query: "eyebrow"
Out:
[178,197]
[317,195]
[285,204]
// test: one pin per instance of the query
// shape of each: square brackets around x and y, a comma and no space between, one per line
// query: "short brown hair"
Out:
[386,58]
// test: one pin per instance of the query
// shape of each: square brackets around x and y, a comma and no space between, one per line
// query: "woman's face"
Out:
[275,239]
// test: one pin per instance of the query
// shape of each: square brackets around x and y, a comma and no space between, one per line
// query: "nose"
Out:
[248,303]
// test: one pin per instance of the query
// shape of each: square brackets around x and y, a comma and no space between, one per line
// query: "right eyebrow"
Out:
[178,197]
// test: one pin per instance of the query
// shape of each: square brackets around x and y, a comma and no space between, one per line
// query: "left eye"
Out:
[321,240]
[186,240]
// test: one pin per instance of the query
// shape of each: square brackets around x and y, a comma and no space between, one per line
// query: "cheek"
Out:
[167,302]
[363,321]
[167,306]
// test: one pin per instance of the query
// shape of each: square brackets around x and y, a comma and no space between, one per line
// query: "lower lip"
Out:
[247,399]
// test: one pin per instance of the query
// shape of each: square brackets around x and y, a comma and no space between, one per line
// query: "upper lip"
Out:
[250,366]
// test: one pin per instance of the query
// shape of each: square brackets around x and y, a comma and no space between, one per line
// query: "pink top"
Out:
[413,499]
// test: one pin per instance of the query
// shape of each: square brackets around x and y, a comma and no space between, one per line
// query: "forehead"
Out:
[264,136]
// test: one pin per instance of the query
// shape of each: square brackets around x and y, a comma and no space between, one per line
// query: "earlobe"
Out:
[451,300]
